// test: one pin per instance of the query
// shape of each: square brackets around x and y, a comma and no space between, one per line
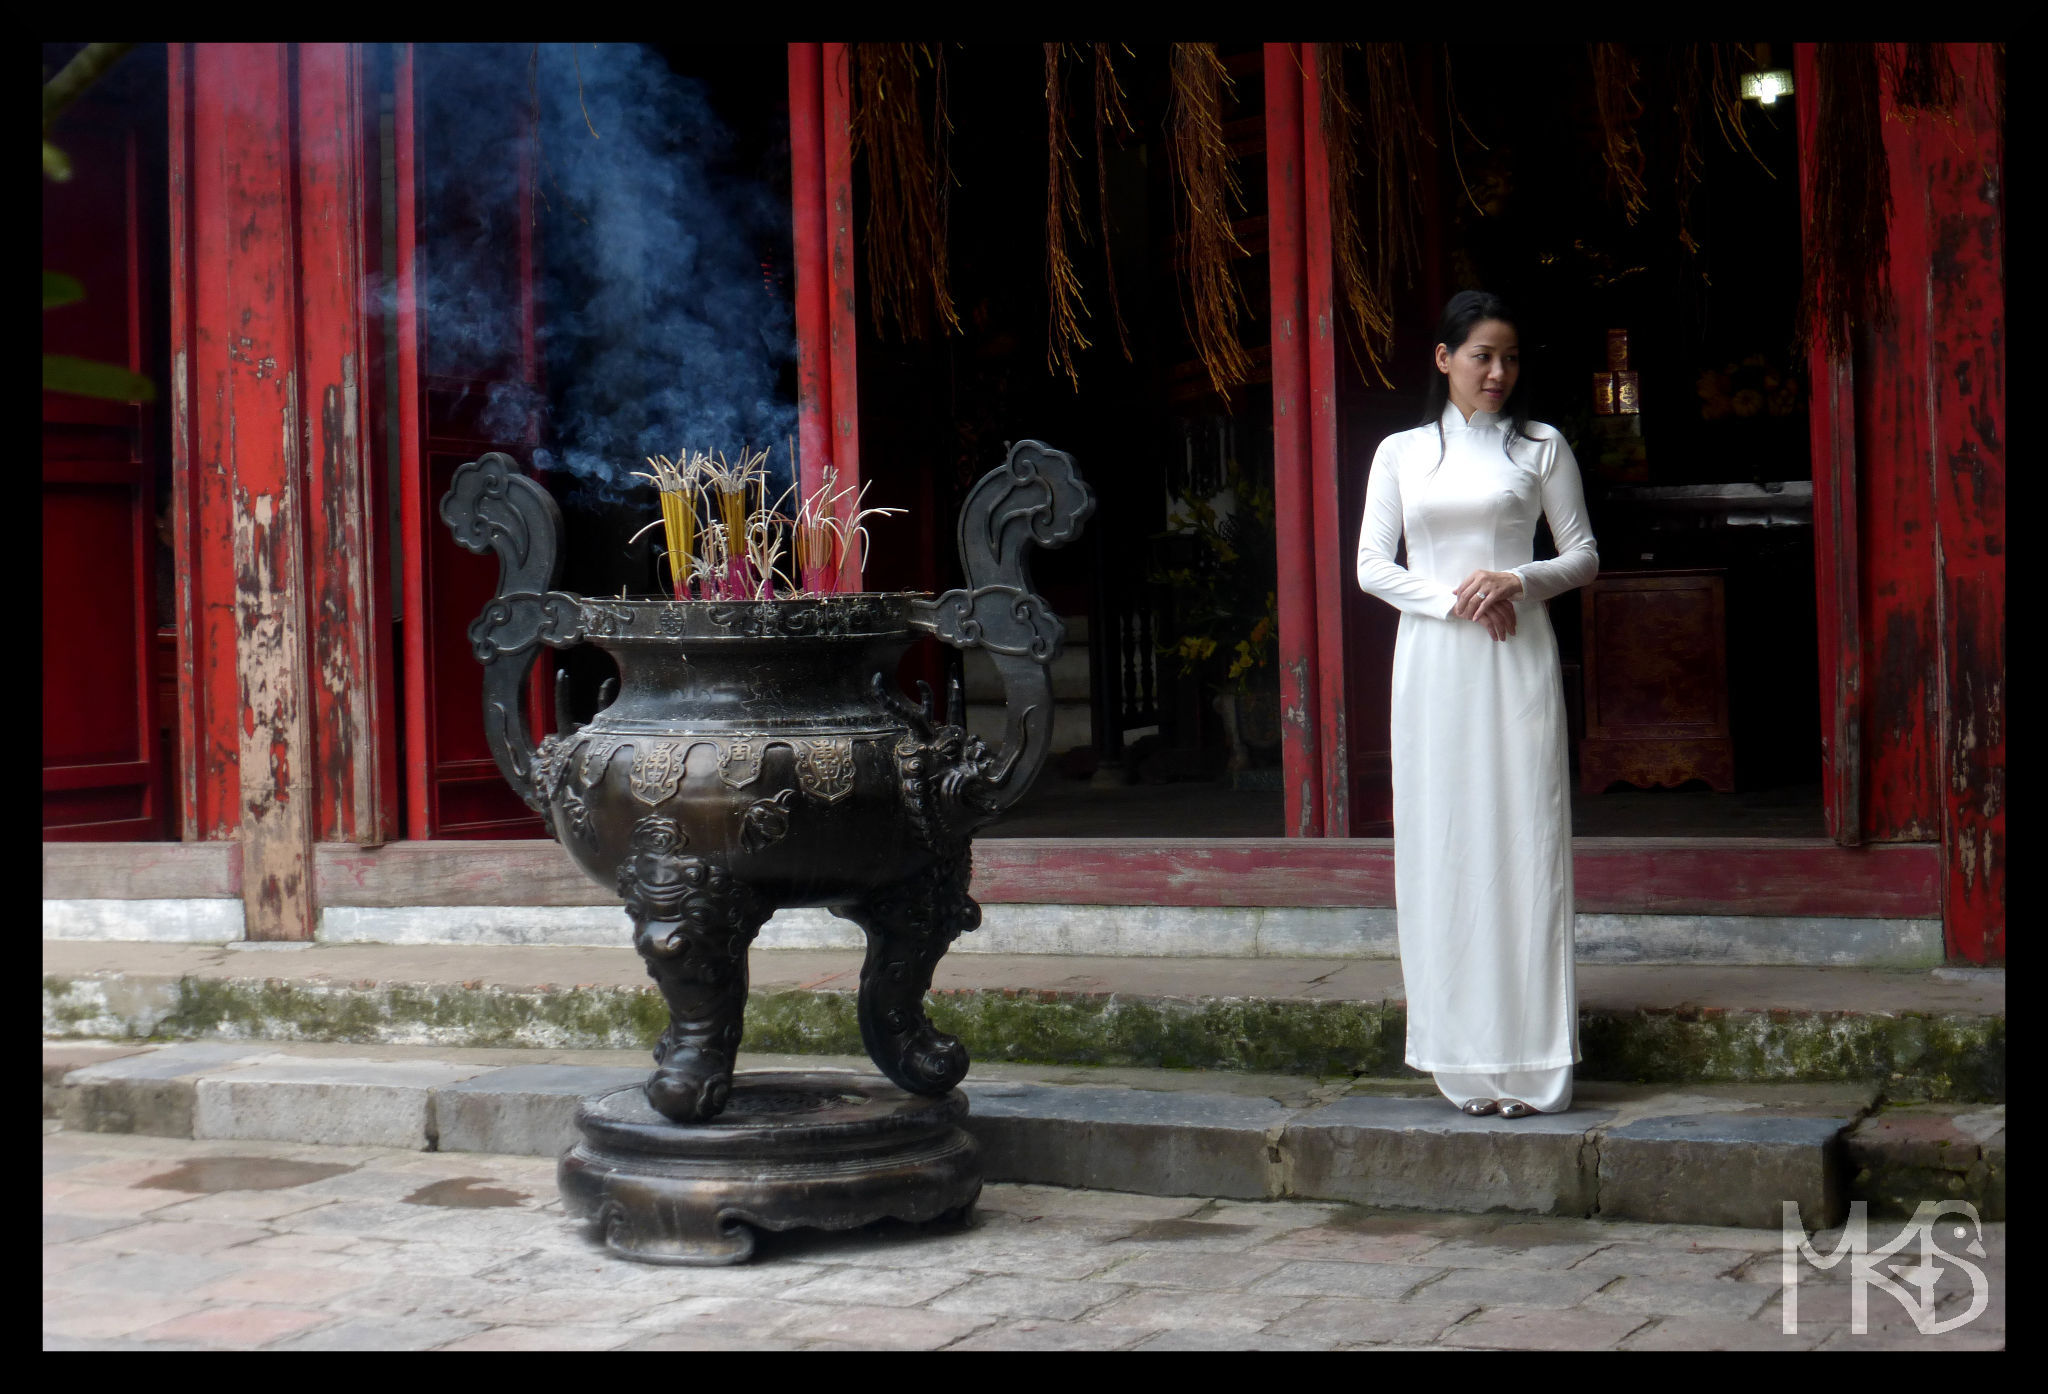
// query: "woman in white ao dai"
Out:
[1482,812]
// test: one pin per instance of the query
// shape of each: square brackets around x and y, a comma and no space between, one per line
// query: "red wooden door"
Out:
[102,757]
[470,382]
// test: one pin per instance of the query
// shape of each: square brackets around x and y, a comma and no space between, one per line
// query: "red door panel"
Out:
[102,764]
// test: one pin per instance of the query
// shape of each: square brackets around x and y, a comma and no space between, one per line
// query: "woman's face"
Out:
[1484,368]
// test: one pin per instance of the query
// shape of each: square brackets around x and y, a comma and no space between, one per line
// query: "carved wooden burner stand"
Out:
[758,755]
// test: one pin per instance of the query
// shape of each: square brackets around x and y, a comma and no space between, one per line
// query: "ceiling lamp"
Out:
[1768,84]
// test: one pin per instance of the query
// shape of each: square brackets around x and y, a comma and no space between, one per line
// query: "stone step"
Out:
[1077,931]
[1917,1036]
[1717,1155]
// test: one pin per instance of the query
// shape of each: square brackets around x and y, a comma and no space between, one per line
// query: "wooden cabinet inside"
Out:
[1656,681]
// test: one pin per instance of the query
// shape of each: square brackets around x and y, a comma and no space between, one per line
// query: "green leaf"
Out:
[59,289]
[56,164]
[83,378]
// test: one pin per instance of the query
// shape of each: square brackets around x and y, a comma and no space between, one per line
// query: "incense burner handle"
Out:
[1035,498]
[492,506]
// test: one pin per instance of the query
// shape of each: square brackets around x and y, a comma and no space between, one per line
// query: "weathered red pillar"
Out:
[1333,566]
[349,570]
[821,198]
[1909,493]
[286,741]
[410,467]
[1831,416]
[249,426]
[1293,489]
[1960,176]
[202,507]
[840,282]
[810,241]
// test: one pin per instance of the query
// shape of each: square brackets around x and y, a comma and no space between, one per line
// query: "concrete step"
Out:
[1717,1155]
[1915,1036]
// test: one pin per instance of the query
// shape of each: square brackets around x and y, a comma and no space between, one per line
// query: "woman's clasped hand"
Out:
[1488,598]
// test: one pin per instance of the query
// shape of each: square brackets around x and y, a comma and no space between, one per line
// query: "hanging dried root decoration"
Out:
[1689,88]
[1614,95]
[1387,126]
[1062,205]
[1850,194]
[1109,113]
[906,228]
[1202,167]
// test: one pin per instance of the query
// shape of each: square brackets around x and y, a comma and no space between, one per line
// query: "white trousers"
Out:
[1547,1091]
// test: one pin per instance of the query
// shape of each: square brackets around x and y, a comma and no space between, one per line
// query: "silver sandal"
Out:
[1515,1108]
[1480,1108]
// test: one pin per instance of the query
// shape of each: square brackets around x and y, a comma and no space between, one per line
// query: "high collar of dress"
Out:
[1454,420]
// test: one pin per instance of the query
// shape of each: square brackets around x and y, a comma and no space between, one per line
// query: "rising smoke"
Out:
[656,327]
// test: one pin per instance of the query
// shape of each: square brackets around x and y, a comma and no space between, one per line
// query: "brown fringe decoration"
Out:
[1062,202]
[1389,127]
[1371,322]
[1847,255]
[906,240]
[1922,79]
[1725,88]
[942,146]
[1453,118]
[1614,79]
[1397,134]
[1201,164]
[1109,111]
[1691,75]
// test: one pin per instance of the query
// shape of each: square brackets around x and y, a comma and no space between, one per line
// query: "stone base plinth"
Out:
[792,1149]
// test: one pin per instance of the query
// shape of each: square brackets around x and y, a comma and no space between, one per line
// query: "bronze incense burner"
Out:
[758,755]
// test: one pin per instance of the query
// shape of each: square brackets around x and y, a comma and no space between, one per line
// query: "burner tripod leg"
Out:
[692,923]
[909,927]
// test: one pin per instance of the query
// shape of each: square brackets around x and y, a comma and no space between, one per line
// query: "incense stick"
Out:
[736,549]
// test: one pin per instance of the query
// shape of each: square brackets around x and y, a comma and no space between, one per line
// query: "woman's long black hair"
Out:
[1466,310]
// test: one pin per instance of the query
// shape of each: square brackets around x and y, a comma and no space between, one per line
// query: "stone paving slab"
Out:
[526,1281]
[1727,1157]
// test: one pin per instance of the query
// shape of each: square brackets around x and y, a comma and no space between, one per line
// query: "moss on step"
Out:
[1910,1056]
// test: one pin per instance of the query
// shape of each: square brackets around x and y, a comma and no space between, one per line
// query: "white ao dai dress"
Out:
[1482,811]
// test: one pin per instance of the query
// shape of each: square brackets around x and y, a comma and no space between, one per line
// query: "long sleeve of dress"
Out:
[1380,533]
[1564,506]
